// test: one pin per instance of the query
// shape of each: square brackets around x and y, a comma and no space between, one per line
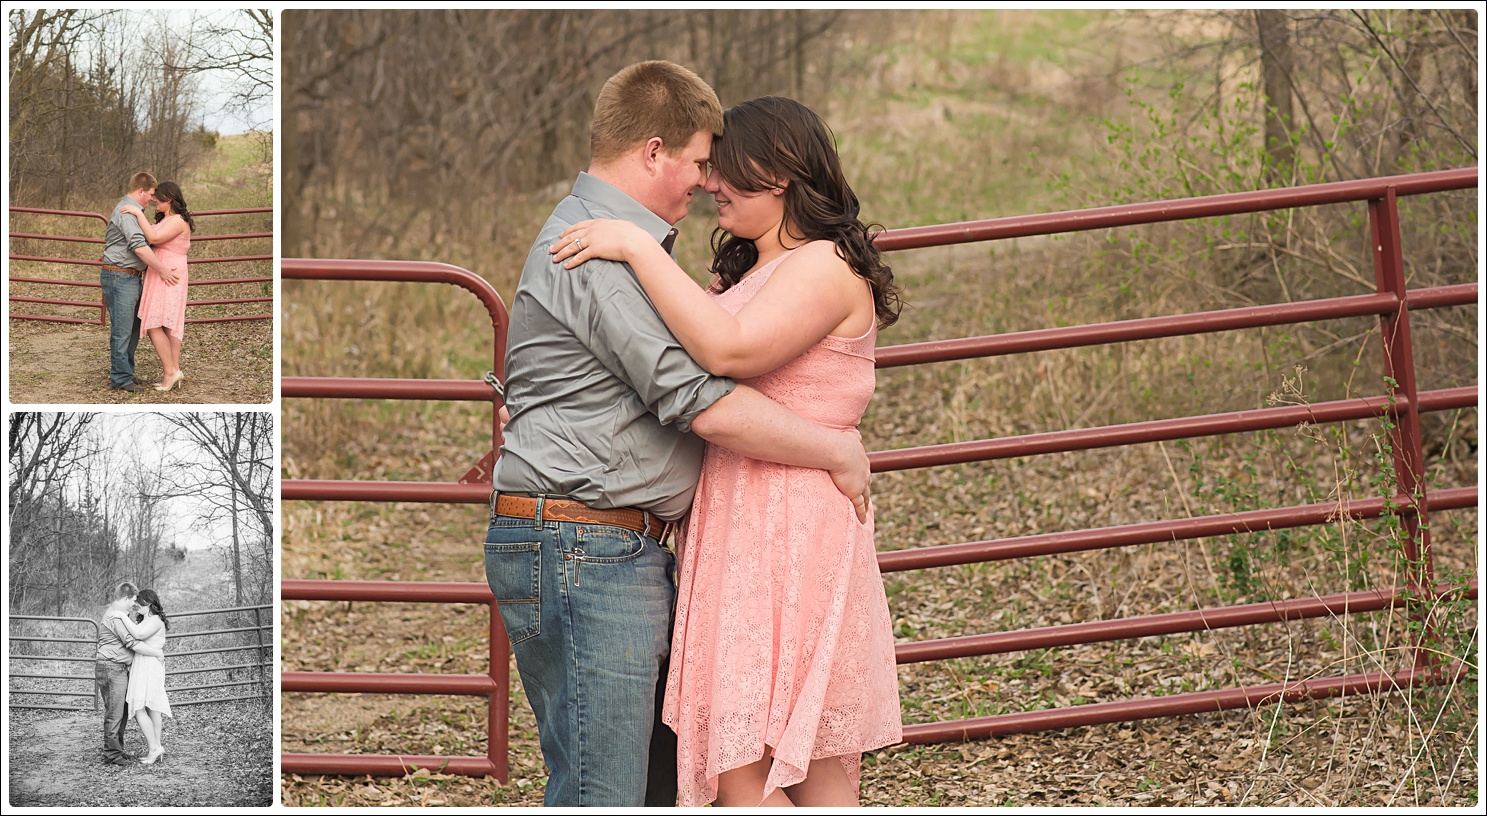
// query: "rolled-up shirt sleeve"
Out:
[115,624]
[628,337]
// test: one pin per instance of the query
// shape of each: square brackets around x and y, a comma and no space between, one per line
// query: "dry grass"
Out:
[217,755]
[1327,753]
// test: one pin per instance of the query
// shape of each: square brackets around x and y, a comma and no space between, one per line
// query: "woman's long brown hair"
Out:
[771,139]
[150,599]
[172,191]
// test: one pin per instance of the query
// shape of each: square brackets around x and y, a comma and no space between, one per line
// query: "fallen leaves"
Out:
[217,755]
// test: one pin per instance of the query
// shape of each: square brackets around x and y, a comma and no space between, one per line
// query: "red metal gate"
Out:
[1392,302]
[474,487]
[94,284]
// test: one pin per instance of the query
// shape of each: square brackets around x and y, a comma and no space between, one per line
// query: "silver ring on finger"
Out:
[578,242]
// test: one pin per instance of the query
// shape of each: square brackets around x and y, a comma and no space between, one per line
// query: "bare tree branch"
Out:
[1389,52]
[243,48]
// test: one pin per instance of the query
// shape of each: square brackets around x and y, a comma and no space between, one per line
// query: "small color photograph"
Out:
[141,192]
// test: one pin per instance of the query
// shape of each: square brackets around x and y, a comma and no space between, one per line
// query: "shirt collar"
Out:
[613,200]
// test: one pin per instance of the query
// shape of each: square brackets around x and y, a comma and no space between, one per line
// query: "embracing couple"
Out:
[144,280]
[129,668]
[636,399]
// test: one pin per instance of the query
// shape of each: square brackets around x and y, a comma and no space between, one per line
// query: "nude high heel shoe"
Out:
[174,381]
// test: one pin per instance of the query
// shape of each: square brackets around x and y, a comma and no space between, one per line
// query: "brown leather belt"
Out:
[112,268]
[569,510]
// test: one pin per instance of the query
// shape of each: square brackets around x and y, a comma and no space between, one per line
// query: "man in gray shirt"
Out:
[111,672]
[603,450]
[126,256]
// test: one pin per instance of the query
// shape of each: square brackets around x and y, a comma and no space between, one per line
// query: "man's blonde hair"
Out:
[141,181]
[652,98]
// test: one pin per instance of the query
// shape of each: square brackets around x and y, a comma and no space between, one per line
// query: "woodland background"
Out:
[95,95]
[87,511]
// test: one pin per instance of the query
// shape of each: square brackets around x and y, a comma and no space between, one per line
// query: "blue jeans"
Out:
[121,292]
[588,609]
[113,684]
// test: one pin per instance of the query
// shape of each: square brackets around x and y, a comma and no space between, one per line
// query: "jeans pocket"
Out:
[609,545]
[514,572]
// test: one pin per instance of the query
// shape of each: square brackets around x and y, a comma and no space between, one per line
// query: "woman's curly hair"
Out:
[172,191]
[771,139]
[151,600]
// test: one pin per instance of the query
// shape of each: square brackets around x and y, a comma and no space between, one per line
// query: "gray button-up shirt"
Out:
[601,395]
[122,237]
[114,640]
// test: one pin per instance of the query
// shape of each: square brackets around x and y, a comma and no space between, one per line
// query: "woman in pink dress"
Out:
[782,664]
[146,692]
[162,303]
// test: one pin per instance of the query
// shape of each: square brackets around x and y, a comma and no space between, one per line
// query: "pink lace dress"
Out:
[161,305]
[146,687]
[783,640]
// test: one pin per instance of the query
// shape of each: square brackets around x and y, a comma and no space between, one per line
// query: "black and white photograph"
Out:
[140,598]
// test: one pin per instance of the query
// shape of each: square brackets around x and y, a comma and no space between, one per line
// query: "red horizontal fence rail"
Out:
[495,686]
[99,305]
[82,650]
[1391,303]
[474,487]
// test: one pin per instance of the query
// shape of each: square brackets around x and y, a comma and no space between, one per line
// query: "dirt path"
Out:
[225,363]
[217,755]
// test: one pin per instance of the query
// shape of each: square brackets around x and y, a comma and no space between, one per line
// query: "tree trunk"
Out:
[237,556]
[57,576]
[1277,67]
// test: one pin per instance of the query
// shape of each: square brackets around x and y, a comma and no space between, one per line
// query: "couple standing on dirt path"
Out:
[129,669]
[144,280]
[637,400]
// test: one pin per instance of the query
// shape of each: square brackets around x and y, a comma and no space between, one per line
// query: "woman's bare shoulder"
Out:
[818,248]
[820,254]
